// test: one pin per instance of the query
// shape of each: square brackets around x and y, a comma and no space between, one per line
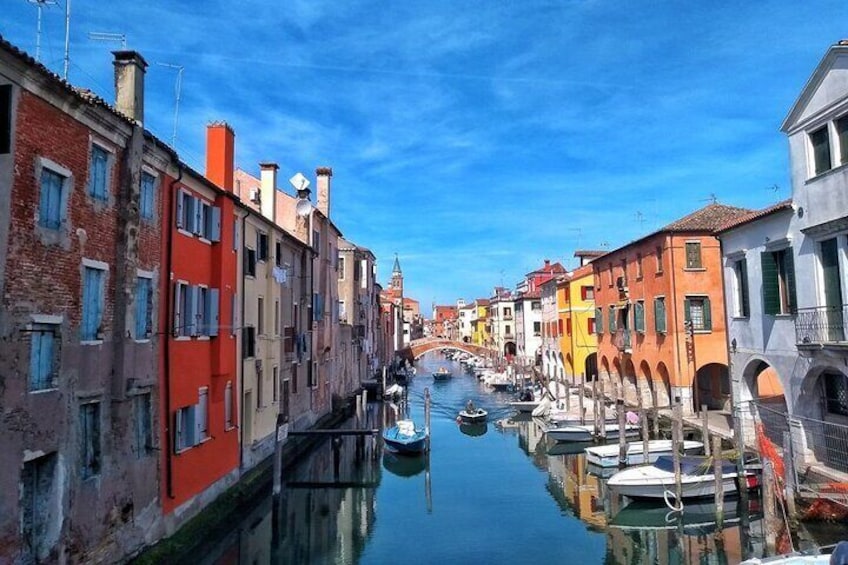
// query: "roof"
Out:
[756,215]
[709,218]
[548,267]
[531,294]
[396,268]
[813,84]
[589,253]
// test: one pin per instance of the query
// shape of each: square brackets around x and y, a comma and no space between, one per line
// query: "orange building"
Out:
[200,447]
[660,314]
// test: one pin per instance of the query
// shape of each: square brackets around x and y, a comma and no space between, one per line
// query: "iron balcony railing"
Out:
[822,324]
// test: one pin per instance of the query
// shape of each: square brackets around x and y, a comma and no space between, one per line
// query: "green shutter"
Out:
[708,322]
[789,269]
[639,317]
[686,314]
[659,315]
[743,288]
[599,321]
[612,319]
[771,288]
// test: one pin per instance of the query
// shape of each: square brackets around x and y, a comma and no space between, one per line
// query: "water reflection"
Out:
[474,430]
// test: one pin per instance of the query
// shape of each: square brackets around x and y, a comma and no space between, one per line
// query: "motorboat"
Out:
[442,374]
[586,432]
[696,477]
[473,416]
[405,437]
[608,455]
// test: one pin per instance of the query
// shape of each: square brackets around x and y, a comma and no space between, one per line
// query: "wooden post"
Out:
[705,429]
[789,469]
[595,409]
[602,424]
[676,441]
[427,415]
[643,417]
[769,510]
[656,421]
[719,481]
[568,398]
[580,398]
[383,390]
[622,436]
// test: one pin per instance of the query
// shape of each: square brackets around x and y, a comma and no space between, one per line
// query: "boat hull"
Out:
[608,455]
[404,438]
[441,377]
[477,417]
[585,432]
[524,406]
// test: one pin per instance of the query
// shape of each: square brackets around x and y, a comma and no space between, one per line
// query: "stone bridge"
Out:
[419,347]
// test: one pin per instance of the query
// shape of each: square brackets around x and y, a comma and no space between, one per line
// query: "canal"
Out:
[492,494]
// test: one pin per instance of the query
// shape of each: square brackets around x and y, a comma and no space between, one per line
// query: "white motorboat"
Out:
[607,455]
[696,473]
[586,432]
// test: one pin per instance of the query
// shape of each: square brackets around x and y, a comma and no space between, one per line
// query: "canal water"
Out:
[490,494]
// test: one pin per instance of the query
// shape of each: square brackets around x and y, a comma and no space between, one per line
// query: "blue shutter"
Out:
[41,359]
[197,209]
[92,303]
[180,204]
[212,297]
[213,231]
[148,187]
[97,174]
[191,319]
[50,206]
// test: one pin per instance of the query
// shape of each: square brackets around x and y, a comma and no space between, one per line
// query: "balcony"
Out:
[819,325]
[507,317]
[621,339]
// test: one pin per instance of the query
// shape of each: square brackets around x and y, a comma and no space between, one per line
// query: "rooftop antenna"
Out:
[775,189]
[106,36]
[67,38]
[39,5]
[712,199]
[640,217]
[177,93]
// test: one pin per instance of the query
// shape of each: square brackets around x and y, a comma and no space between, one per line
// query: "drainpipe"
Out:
[241,353]
[674,307]
[169,313]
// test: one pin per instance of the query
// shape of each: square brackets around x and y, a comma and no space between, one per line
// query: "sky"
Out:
[472,138]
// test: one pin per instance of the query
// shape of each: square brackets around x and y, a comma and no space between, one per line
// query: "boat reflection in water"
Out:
[404,465]
[474,430]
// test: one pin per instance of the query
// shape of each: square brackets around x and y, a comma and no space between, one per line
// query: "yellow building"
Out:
[576,311]
[480,322]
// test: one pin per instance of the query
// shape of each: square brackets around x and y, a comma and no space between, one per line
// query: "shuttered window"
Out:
[42,357]
[778,270]
[599,320]
[612,320]
[820,142]
[98,173]
[639,316]
[697,311]
[740,269]
[92,304]
[659,315]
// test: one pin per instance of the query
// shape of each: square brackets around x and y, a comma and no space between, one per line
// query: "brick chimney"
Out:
[130,67]
[547,265]
[268,189]
[324,175]
[220,149]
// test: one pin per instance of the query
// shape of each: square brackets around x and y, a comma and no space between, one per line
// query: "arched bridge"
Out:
[419,347]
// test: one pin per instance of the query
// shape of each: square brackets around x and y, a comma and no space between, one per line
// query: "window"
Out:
[184,310]
[612,319]
[198,217]
[51,210]
[92,304]
[143,307]
[42,356]
[587,293]
[609,273]
[261,246]
[638,265]
[185,210]
[639,316]
[836,393]
[567,326]
[659,315]
[778,282]
[276,317]
[599,321]
[536,305]
[740,283]
[507,330]
[248,341]
[201,303]
[624,272]
[820,143]
[202,416]
[659,255]
[275,383]
[98,173]
[147,199]
[342,268]
[228,406]
[537,329]
[260,386]
[590,326]
[693,254]
[278,254]
[142,413]
[316,241]
[249,262]
[89,436]
[342,312]
[260,315]
[5,118]
[185,429]
[842,134]
[696,310]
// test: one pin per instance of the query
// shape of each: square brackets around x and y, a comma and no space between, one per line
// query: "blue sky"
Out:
[474,138]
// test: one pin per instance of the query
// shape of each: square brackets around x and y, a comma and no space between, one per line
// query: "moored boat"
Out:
[608,455]
[404,437]
[696,477]
[586,432]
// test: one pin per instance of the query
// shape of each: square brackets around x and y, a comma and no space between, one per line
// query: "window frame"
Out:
[814,160]
[90,440]
[147,195]
[694,255]
[50,381]
[87,326]
[64,176]
[99,189]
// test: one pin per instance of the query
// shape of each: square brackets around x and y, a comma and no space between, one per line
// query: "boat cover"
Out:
[693,465]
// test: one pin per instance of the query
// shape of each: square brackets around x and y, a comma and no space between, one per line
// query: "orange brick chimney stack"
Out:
[324,175]
[220,154]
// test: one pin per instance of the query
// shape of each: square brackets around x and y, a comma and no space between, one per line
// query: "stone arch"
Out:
[711,387]
[762,399]
[824,400]
[509,349]
[663,387]
[590,367]
[628,382]
[649,391]
[605,368]
[615,376]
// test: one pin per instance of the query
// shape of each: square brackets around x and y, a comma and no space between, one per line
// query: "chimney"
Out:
[129,84]
[268,189]
[547,264]
[220,148]
[324,174]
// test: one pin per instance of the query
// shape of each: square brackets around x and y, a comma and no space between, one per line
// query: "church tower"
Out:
[397,282]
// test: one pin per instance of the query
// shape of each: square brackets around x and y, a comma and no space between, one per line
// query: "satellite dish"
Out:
[299,182]
[303,207]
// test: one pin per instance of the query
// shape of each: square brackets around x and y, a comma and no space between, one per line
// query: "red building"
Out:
[200,454]
[444,322]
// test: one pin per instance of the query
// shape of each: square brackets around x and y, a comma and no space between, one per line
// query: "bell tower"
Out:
[397,282]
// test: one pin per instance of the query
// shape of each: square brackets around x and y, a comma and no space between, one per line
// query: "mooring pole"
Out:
[719,481]
[643,420]
[705,429]
[595,409]
[427,415]
[580,398]
[622,436]
[602,425]
[676,443]
[789,470]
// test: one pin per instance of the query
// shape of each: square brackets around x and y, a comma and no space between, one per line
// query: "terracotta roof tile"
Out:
[756,215]
[708,218]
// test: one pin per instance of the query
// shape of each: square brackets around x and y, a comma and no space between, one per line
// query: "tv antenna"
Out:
[106,36]
[39,5]
[177,93]
[712,199]
[640,217]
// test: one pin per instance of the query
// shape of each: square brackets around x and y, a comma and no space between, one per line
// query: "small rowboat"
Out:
[404,437]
